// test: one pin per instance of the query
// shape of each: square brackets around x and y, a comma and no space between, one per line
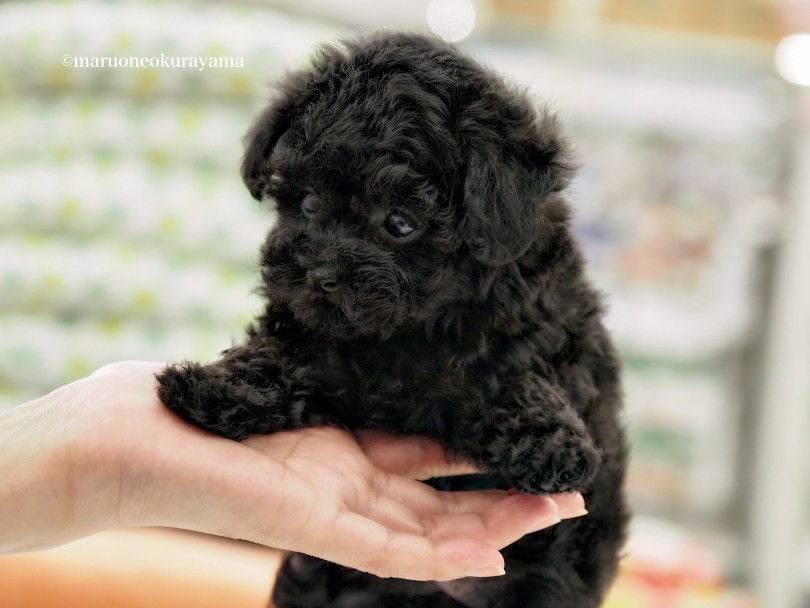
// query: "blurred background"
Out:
[125,231]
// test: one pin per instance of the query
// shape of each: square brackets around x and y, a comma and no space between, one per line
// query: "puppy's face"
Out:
[398,176]
[360,253]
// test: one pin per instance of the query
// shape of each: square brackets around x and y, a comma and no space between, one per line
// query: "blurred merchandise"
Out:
[750,19]
[665,567]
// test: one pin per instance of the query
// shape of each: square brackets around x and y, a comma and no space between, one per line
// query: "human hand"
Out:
[104,452]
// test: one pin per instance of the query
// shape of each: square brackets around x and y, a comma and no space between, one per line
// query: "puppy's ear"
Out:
[265,132]
[511,169]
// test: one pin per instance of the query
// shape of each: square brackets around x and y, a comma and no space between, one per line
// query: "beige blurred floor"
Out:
[140,568]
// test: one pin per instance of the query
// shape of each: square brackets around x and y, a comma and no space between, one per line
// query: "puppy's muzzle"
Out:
[322,280]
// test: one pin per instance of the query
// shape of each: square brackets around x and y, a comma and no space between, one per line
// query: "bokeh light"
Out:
[792,59]
[453,20]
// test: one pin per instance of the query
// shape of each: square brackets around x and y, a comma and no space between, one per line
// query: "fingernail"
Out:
[488,571]
[572,514]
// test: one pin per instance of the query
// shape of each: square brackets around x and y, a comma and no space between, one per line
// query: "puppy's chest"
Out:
[404,389]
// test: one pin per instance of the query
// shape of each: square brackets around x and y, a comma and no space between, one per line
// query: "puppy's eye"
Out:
[399,226]
[311,204]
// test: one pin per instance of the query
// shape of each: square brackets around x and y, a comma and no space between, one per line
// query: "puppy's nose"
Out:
[323,280]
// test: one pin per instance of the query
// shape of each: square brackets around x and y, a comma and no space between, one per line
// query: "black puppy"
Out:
[422,279]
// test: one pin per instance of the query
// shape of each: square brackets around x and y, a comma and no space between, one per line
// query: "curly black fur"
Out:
[473,324]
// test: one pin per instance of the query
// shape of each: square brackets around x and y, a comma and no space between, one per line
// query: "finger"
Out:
[412,456]
[371,547]
[424,500]
[569,504]
[499,525]
[498,518]
[390,513]
[416,510]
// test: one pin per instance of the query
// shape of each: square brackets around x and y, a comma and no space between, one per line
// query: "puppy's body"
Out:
[422,279]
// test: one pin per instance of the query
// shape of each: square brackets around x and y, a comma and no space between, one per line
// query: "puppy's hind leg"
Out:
[304,582]
[308,582]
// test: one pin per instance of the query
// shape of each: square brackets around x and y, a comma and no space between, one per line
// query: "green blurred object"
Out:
[125,231]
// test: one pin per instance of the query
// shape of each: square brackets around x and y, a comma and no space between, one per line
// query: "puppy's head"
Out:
[402,172]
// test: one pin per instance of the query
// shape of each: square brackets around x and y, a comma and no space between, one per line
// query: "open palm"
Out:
[350,499]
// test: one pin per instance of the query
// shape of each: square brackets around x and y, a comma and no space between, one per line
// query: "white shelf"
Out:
[780,468]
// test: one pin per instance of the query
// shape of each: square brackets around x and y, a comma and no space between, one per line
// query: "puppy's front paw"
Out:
[186,389]
[204,396]
[563,463]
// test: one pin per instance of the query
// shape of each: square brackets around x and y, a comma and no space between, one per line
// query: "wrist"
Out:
[52,490]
